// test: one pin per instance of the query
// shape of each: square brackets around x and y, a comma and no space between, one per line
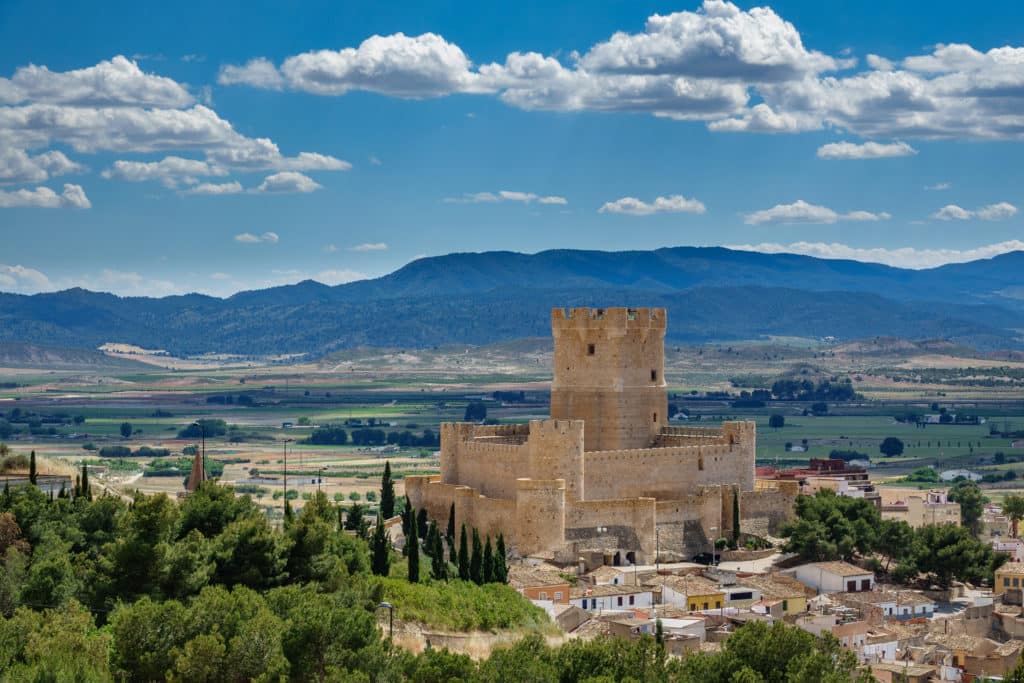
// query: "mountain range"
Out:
[478,298]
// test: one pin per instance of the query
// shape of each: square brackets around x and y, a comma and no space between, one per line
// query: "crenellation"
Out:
[606,460]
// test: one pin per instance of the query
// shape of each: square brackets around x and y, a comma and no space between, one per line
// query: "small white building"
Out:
[950,475]
[835,577]
[609,597]
[685,627]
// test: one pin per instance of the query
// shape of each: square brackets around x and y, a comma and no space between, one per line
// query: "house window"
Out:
[558,595]
[1015,583]
[865,584]
[705,605]
[632,599]
[718,604]
[590,349]
[1006,582]
[654,418]
[851,586]
[620,601]
[785,605]
[543,595]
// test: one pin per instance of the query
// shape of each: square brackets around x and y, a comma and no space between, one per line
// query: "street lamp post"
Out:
[286,442]
[713,530]
[391,619]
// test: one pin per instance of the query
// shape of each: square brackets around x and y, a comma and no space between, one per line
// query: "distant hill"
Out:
[21,355]
[711,293]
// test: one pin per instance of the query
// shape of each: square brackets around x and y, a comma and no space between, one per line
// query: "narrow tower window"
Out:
[654,375]
[590,349]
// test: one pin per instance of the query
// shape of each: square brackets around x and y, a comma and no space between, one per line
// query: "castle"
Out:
[606,475]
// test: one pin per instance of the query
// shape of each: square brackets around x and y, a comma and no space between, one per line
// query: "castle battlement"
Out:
[617,318]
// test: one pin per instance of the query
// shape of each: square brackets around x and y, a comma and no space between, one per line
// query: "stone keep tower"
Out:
[610,373]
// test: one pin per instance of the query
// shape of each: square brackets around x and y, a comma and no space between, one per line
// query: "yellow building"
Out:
[1010,575]
[791,592]
[694,593]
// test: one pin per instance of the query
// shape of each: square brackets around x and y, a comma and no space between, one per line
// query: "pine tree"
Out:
[438,567]
[380,549]
[450,533]
[488,569]
[476,560]
[413,544]
[387,493]
[463,555]
[500,565]
[32,468]
[86,488]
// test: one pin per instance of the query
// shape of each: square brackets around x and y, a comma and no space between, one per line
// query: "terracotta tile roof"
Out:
[1011,568]
[842,568]
[520,577]
[775,586]
[688,584]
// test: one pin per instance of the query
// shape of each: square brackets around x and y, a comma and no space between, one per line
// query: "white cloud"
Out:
[258,72]
[219,276]
[939,186]
[635,207]
[867,150]
[904,257]
[250,238]
[17,166]
[369,246]
[330,248]
[803,212]
[73,197]
[997,212]
[402,66]
[21,279]
[234,187]
[170,171]
[991,212]
[717,41]
[505,196]
[118,82]
[288,181]
[374,161]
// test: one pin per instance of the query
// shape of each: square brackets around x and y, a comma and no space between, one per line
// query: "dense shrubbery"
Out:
[831,527]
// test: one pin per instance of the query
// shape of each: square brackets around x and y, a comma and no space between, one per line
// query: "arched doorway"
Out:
[617,560]
[631,557]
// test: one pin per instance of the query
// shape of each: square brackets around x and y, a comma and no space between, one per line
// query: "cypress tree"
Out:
[432,533]
[32,468]
[438,567]
[406,517]
[86,488]
[500,566]
[463,555]
[736,515]
[380,547]
[78,485]
[7,493]
[476,560]
[488,570]
[421,523]
[288,516]
[387,493]
[62,493]
[413,544]
[450,533]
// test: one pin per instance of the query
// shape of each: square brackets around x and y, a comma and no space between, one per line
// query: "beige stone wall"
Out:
[768,509]
[487,515]
[632,521]
[669,473]
[491,466]
[539,515]
[609,371]
[556,452]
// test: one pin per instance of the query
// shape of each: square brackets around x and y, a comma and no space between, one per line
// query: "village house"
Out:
[1010,575]
[610,597]
[901,605]
[835,577]
[979,656]
[539,583]
[691,592]
[780,595]
[919,508]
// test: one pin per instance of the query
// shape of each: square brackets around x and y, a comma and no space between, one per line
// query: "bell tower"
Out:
[610,373]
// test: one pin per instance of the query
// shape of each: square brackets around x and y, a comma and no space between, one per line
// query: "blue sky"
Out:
[173,147]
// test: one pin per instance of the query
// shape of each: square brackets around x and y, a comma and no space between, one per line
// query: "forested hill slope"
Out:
[711,293]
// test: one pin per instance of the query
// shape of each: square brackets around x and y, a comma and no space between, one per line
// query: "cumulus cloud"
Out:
[505,196]
[939,186]
[234,187]
[804,212]
[17,166]
[73,197]
[288,181]
[635,207]
[118,82]
[991,212]
[251,238]
[398,65]
[717,41]
[18,278]
[867,150]
[170,171]
[901,257]
[369,246]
